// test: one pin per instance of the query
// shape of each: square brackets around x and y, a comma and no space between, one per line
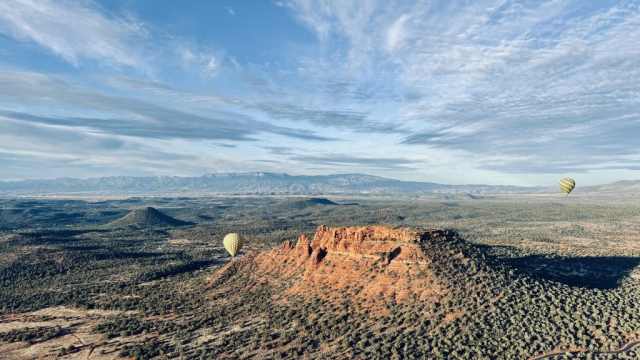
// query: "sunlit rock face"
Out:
[379,262]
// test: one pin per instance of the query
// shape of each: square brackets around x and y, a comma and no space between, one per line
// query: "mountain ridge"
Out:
[621,185]
[243,183]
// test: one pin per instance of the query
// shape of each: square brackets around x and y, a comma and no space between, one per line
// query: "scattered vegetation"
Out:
[539,277]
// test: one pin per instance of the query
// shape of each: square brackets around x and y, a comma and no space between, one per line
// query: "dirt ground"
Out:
[76,326]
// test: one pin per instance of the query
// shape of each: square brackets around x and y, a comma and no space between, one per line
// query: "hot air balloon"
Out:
[566,185]
[233,243]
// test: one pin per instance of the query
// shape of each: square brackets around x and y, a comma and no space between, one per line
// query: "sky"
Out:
[455,92]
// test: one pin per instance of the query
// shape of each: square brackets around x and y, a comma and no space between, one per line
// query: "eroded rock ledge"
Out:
[377,261]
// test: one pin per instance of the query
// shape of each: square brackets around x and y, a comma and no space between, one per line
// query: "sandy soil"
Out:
[76,325]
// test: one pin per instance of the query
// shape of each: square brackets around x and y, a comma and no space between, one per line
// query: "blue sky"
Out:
[494,92]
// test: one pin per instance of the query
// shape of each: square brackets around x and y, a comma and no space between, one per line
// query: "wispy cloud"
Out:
[83,33]
[348,160]
[279,150]
[193,59]
[76,32]
[235,63]
[129,116]
[342,161]
[285,105]
[341,119]
[499,78]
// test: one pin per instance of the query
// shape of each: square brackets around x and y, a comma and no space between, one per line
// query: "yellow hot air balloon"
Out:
[233,243]
[566,185]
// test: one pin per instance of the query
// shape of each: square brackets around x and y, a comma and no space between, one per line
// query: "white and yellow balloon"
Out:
[233,243]
[566,185]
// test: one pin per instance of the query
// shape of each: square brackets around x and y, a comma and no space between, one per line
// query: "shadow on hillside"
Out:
[588,272]
[83,248]
[126,255]
[66,216]
[62,234]
[180,269]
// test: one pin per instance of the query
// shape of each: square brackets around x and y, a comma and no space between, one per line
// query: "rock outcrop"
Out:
[303,247]
[369,263]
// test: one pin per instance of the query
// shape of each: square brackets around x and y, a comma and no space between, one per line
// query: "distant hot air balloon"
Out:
[566,185]
[233,243]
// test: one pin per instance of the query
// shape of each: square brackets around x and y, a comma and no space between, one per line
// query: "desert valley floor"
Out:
[408,277]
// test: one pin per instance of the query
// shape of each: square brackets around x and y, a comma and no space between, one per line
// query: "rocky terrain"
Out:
[417,291]
[376,262]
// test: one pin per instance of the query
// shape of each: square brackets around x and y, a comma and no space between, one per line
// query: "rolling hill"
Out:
[145,218]
[303,203]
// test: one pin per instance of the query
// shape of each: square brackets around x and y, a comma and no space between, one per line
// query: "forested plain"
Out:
[543,275]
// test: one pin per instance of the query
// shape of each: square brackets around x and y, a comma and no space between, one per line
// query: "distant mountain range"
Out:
[246,183]
[631,186]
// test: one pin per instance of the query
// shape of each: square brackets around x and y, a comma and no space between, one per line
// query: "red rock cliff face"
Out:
[367,240]
[377,261]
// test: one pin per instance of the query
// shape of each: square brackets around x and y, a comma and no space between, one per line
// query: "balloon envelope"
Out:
[233,243]
[566,185]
